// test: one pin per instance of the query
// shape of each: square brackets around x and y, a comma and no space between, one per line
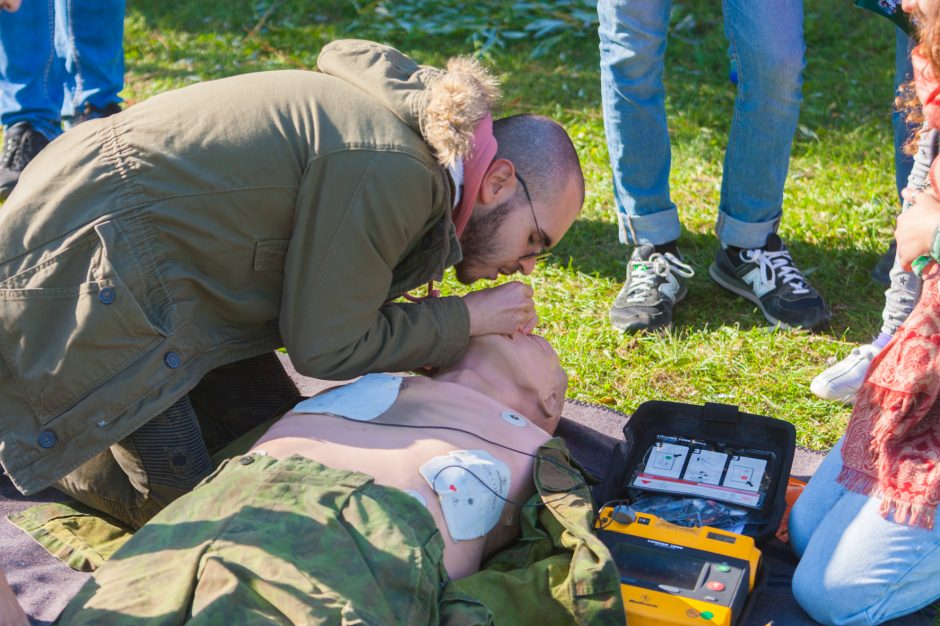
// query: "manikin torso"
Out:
[393,455]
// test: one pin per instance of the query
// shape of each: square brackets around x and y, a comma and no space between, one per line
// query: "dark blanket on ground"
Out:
[44,585]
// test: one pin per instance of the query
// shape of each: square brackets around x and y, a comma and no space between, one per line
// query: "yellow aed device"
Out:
[675,575]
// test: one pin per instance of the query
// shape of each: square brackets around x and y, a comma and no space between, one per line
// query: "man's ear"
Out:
[499,182]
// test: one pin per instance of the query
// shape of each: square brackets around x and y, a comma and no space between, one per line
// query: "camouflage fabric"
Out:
[557,574]
[79,536]
[297,542]
[274,542]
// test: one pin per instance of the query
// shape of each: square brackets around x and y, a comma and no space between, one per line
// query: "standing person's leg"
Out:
[856,567]
[903,73]
[94,56]
[633,44]
[841,381]
[31,78]
[633,37]
[766,42]
[903,131]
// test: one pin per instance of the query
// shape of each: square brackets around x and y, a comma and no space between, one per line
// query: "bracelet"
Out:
[935,245]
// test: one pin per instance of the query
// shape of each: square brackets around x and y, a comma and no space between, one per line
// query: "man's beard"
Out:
[479,243]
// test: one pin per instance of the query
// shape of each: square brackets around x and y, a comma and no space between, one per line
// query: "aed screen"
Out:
[659,567]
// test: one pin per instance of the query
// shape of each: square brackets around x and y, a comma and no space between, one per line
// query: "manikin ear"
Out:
[499,183]
[551,407]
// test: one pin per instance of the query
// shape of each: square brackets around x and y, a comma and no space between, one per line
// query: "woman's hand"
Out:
[916,226]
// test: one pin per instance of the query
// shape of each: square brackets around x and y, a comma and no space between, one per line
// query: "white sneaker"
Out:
[841,381]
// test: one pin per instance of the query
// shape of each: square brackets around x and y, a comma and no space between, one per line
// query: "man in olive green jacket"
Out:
[142,253]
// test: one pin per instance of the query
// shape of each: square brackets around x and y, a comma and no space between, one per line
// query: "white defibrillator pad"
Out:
[363,400]
[472,486]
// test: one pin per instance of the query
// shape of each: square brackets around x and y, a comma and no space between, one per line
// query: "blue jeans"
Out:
[766,43]
[903,72]
[856,567]
[56,55]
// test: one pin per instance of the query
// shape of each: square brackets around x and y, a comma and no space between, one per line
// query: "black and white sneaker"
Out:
[768,277]
[655,283]
[21,143]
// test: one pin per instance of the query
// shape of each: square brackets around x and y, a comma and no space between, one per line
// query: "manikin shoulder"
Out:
[445,404]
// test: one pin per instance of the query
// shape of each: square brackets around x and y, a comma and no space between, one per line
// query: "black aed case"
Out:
[711,431]
[714,458]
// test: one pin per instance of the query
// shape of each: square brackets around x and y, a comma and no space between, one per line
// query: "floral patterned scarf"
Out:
[892,444]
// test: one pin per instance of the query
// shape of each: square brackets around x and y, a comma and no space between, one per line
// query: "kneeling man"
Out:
[358,506]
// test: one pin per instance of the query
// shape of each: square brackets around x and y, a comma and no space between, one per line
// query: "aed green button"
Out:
[721,567]
[707,614]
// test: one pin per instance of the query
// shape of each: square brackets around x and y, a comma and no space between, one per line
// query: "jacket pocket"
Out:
[70,323]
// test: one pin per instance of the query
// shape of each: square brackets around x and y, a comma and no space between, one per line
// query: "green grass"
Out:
[840,198]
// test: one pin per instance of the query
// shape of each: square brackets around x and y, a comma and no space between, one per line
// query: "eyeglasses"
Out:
[543,251]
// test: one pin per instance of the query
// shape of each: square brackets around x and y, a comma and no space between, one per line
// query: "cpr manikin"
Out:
[471,485]
[423,435]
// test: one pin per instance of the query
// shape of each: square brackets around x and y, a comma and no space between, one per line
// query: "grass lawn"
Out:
[839,205]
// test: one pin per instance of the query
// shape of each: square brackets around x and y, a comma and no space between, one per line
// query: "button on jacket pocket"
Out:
[62,340]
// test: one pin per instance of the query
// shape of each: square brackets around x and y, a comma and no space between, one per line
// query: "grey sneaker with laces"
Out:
[21,143]
[769,278]
[655,283]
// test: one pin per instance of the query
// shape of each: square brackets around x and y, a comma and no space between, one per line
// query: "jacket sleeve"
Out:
[358,214]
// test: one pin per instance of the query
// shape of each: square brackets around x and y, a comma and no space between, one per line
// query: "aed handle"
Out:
[723,413]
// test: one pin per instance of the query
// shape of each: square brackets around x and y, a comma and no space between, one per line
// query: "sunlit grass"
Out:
[839,204]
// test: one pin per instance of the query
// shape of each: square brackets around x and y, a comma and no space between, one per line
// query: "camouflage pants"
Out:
[264,541]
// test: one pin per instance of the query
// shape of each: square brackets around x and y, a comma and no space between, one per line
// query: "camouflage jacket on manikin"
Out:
[211,224]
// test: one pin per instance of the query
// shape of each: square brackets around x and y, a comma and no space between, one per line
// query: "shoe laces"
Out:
[777,264]
[656,267]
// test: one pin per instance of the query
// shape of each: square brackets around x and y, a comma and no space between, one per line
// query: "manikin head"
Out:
[531,193]
[521,371]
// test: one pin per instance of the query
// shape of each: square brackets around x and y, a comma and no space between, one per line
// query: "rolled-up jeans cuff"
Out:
[655,228]
[734,232]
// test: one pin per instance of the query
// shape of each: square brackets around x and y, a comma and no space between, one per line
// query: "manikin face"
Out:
[506,236]
[531,366]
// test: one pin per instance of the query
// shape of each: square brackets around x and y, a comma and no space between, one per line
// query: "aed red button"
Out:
[715,586]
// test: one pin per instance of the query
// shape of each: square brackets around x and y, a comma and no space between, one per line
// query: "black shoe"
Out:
[881,273]
[768,277]
[91,112]
[20,145]
[655,283]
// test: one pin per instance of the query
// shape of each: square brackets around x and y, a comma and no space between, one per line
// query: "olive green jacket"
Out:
[211,224]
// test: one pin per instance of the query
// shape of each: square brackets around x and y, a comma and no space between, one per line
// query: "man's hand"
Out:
[10,5]
[11,613]
[916,226]
[501,310]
